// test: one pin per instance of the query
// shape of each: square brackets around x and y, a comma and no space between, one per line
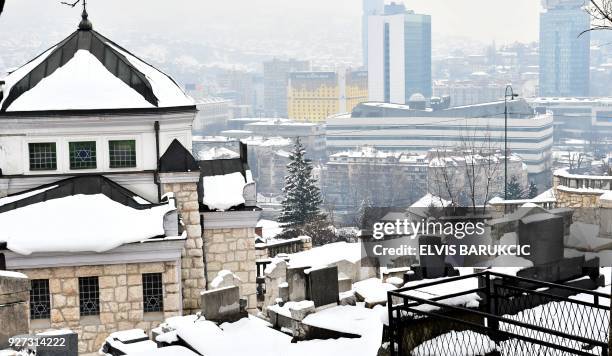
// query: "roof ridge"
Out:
[99,47]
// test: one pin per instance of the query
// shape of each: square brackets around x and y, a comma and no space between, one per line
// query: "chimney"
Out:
[243,153]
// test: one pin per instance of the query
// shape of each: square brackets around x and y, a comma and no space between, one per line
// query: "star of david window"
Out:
[152,292]
[40,299]
[82,155]
[89,296]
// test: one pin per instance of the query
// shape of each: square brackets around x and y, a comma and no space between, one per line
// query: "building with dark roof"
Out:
[103,205]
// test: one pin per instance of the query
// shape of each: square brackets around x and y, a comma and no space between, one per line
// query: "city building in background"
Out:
[564,53]
[370,7]
[313,96]
[365,175]
[276,79]
[399,56]
[394,127]
[584,123]
[469,92]
[212,115]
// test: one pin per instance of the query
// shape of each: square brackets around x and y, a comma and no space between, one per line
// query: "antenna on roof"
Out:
[85,24]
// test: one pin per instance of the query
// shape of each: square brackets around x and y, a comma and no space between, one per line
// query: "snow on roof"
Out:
[13,198]
[327,254]
[269,228]
[222,192]
[217,153]
[430,200]
[266,141]
[84,82]
[166,90]
[79,223]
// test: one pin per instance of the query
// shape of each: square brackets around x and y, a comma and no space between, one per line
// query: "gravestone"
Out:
[345,284]
[296,278]
[322,285]
[433,264]
[221,304]
[69,343]
[544,232]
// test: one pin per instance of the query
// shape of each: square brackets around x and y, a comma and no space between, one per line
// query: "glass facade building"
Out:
[564,55]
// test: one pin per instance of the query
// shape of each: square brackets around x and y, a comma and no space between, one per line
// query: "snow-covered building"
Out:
[102,205]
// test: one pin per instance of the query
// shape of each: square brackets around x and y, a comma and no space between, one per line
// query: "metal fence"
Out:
[515,316]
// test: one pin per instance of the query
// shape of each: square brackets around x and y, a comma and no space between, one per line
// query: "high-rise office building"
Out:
[313,96]
[564,55]
[370,7]
[276,79]
[399,56]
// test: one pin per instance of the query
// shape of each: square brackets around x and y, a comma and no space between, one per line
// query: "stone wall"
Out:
[192,278]
[121,300]
[584,203]
[14,307]
[233,249]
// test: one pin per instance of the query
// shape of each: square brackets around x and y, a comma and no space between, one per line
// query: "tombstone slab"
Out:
[296,278]
[322,285]
[221,304]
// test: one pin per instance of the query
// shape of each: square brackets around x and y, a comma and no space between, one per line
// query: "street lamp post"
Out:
[507,95]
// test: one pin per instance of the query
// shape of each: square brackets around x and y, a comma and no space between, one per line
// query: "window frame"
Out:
[88,295]
[95,154]
[152,289]
[113,165]
[44,298]
[54,166]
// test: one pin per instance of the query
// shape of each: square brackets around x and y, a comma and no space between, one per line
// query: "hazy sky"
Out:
[483,20]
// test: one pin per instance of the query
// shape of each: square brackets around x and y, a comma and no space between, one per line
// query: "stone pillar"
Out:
[229,243]
[184,187]
[14,306]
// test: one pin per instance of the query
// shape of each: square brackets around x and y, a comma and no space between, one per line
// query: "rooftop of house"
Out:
[82,214]
[87,71]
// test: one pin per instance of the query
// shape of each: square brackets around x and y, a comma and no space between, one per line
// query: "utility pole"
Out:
[507,95]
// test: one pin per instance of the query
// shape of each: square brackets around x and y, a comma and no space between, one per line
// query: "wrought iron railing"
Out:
[515,316]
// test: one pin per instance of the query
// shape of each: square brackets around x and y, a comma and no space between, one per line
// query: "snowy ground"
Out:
[253,336]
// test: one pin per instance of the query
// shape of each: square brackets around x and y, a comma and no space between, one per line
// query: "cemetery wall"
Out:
[14,298]
[233,249]
[120,300]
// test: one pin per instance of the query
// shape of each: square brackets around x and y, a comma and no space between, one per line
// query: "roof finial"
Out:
[85,24]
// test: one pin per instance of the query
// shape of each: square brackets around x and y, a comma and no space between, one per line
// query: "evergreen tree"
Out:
[533,190]
[302,198]
[515,191]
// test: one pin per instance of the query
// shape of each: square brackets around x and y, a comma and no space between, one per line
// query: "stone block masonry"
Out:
[120,295]
[192,277]
[233,249]
[14,298]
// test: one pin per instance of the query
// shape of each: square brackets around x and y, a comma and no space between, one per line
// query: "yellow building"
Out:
[313,96]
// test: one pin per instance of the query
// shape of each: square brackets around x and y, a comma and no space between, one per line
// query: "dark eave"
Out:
[87,185]
[63,113]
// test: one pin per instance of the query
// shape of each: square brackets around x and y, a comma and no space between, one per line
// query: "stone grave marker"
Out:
[322,285]
[296,278]
[544,232]
[221,304]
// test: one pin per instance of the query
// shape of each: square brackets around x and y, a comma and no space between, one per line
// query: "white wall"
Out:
[16,134]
